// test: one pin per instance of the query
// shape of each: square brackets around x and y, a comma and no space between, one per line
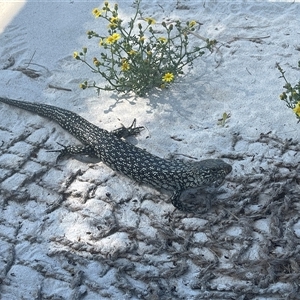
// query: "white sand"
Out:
[78,230]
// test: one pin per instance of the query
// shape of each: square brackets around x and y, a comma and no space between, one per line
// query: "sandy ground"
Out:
[77,230]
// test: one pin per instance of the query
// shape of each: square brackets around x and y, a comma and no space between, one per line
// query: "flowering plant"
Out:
[292,93]
[141,56]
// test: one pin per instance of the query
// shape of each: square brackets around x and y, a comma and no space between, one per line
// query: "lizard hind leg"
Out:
[124,132]
[74,150]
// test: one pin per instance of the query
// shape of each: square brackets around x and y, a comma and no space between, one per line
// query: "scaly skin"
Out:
[136,163]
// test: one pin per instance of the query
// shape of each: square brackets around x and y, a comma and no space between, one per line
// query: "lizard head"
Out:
[209,172]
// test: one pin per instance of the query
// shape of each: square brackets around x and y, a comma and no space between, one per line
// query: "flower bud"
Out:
[287,86]
[75,55]
[294,94]
[83,85]
[96,62]
[283,96]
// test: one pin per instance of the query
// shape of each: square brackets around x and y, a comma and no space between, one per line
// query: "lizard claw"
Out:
[62,152]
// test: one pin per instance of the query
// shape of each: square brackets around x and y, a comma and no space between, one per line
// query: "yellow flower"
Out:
[168,77]
[132,52]
[116,36]
[150,21]
[162,39]
[112,25]
[142,39]
[96,12]
[75,55]
[192,23]
[109,40]
[113,22]
[113,38]
[296,110]
[125,65]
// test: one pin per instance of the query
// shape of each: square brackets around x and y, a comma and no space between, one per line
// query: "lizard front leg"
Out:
[124,132]
[175,200]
